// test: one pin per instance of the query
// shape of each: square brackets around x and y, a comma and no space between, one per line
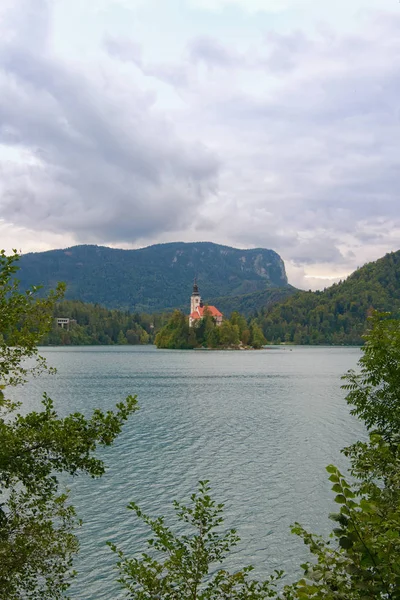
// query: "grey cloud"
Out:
[212,53]
[126,50]
[202,49]
[106,167]
[328,134]
[129,51]
[285,51]
[175,75]
[310,154]
[319,247]
[26,23]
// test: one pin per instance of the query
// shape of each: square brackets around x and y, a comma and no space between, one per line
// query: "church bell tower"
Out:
[195,298]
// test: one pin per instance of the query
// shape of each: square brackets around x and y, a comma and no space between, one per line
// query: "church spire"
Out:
[195,288]
[195,299]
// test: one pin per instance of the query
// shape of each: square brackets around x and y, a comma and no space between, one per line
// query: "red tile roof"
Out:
[199,312]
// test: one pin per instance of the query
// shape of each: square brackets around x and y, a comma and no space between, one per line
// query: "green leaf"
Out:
[331,469]
[346,542]
[337,488]
[340,499]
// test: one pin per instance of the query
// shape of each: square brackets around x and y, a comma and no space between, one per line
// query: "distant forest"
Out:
[100,326]
[337,315]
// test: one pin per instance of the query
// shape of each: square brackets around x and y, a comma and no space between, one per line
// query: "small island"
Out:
[205,327]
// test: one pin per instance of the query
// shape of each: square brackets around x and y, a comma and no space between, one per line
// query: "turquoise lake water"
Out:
[261,426]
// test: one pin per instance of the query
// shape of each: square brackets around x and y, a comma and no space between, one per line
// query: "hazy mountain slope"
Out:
[248,304]
[338,315]
[154,278]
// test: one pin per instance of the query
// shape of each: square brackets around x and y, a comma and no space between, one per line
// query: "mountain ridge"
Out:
[154,278]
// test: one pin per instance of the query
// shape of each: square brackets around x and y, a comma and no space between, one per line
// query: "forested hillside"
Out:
[98,325]
[248,304]
[338,315]
[155,278]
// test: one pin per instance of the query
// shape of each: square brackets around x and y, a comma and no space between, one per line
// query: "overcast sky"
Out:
[252,123]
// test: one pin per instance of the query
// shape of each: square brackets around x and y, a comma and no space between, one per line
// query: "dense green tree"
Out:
[121,339]
[362,559]
[144,337]
[175,334]
[257,336]
[132,337]
[23,320]
[229,334]
[240,322]
[37,539]
[210,335]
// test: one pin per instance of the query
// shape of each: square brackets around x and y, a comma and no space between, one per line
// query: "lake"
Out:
[260,425]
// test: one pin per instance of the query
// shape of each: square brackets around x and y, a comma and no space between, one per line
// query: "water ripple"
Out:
[261,426]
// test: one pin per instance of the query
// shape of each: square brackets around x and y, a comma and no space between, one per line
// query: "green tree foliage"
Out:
[176,333]
[338,315]
[229,334]
[362,559]
[37,540]
[375,392]
[183,567]
[23,320]
[98,325]
[257,336]
[235,332]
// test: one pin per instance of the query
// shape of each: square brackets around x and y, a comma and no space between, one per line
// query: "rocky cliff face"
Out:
[154,278]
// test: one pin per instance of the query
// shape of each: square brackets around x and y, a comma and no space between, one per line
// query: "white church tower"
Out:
[195,299]
[197,309]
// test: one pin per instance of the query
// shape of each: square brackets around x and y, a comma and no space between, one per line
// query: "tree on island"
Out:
[176,333]
[235,332]
[257,336]
[37,524]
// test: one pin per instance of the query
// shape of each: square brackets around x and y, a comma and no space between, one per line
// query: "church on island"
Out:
[197,308]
